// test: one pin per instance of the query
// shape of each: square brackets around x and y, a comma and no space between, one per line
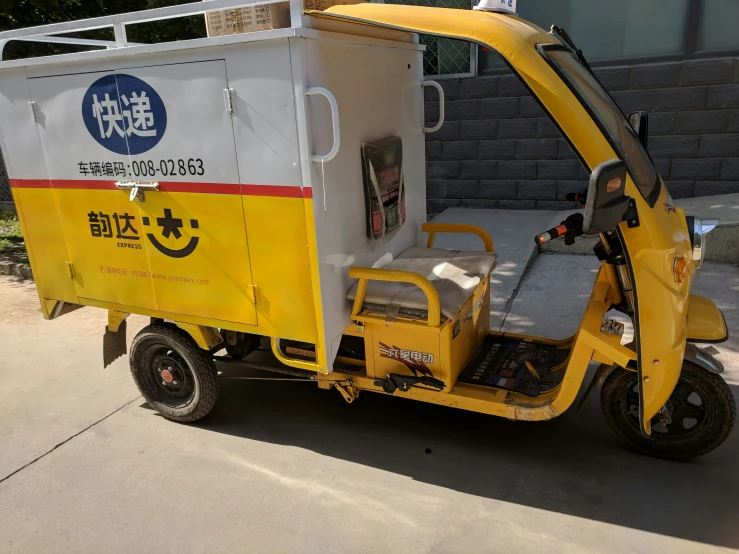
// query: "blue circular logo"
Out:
[124,114]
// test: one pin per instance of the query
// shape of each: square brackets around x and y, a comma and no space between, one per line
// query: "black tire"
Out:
[178,379]
[681,439]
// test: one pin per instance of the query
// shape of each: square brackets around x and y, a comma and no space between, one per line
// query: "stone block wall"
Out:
[497,148]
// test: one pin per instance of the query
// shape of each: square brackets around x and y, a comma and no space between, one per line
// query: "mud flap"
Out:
[114,344]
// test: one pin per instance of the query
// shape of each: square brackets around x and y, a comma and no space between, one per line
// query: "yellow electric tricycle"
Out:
[269,188]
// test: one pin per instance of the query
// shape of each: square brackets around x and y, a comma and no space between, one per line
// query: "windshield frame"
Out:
[656,188]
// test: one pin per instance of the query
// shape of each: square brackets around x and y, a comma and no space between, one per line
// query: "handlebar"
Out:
[569,229]
[579,197]
[551,234]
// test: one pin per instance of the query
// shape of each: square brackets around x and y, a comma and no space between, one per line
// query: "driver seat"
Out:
[455,274]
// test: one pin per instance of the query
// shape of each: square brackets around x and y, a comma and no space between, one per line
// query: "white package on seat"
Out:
[454,274]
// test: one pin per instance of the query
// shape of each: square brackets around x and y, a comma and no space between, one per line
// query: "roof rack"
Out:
[118,22]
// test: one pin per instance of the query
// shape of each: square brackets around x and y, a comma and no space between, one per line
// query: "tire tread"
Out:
[726,412]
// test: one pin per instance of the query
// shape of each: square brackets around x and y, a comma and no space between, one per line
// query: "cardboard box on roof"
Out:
[261,18]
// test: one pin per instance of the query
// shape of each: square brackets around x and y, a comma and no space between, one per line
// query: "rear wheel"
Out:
[697,418]
[176,378]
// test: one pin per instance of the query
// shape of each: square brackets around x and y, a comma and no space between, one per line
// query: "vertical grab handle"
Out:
[334,123]
[440,90]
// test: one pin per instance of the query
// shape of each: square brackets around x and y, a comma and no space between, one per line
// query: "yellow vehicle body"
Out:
[654,245]
[257,268]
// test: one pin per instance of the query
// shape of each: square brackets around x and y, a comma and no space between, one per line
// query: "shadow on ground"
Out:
[571,465]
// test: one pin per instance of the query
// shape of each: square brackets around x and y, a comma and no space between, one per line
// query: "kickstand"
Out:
[599,377]
[585,396]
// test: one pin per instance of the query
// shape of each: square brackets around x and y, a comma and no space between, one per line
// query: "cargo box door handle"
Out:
[334,123]
[440,90]
[137,188]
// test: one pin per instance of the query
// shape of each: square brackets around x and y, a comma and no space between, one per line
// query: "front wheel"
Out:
[178,379]
[697,418]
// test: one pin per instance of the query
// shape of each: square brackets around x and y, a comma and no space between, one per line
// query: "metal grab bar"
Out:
[440,90]
[334,123]
[108,44]
[433,228]
[292,362]
[365,274]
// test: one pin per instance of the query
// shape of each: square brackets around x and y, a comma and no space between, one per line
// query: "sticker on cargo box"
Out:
[124,114]
[126,231]
[415,361]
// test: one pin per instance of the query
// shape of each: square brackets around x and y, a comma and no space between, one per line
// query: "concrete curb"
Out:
[22,271]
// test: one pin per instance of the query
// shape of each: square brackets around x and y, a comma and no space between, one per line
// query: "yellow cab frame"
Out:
[662,235]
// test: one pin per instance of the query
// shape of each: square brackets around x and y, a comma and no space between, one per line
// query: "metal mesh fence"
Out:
[5,195]
[445,56]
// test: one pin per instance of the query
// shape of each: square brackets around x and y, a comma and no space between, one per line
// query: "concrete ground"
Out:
[86,466]
[513,235]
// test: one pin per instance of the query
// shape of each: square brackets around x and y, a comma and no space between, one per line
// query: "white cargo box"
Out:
[244,152]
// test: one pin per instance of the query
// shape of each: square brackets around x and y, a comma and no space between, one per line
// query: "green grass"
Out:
[12,247]
[10,230]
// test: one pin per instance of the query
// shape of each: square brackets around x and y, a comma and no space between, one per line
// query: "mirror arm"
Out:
[631,216]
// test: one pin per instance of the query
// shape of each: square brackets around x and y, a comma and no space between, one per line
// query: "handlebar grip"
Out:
[578,197]
[551,234]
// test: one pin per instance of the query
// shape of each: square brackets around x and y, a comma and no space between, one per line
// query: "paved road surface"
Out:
[285,467]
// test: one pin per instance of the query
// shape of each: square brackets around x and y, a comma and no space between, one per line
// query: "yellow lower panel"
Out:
[79,226]
[47,252]
[469,329]
[198,254]
[278,247]
[484,400]
[406,350]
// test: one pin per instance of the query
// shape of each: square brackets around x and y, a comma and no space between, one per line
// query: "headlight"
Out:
[698,229]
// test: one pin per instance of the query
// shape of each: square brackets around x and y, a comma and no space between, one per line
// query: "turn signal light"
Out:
[680,269]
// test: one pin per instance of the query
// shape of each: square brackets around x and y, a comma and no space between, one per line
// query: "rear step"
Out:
[526,367]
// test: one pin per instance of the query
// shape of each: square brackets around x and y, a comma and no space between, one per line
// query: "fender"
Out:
[706,323]
[700,358]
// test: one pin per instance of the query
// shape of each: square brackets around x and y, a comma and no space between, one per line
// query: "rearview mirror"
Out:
[607,202]
[640,122]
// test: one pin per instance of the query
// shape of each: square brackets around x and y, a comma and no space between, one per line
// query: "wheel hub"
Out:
[167,376]
[170,375]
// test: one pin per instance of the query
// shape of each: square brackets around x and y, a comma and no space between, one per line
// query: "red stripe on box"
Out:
[30,183]
[272,190]
[171,186]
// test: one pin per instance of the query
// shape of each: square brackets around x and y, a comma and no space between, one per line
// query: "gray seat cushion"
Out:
[453,273]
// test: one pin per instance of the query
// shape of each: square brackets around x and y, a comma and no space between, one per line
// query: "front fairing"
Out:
[662,232]
[661,304]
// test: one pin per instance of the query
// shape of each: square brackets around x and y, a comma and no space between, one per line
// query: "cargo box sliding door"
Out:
[193,224]
[179,247]
[83,137]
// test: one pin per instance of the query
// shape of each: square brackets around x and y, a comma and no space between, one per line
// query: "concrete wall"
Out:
[498,149]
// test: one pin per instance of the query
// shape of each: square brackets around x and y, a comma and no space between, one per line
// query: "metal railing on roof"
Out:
[118,22]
